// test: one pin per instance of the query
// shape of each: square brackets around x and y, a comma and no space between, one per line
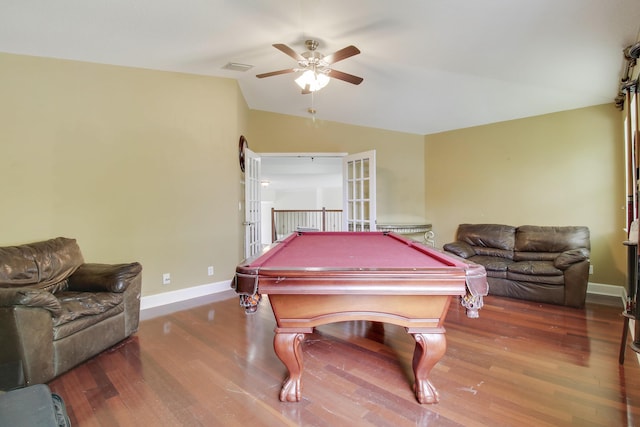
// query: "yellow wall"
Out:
[135,164]
[399,156]
[142,165]
[565,168]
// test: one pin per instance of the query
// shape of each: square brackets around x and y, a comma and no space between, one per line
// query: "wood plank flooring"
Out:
[519,364]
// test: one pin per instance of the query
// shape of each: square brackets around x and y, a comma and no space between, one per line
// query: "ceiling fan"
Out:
[316,67]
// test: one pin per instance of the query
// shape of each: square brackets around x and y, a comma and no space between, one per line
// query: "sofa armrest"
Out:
[104,277]
[576,281]
[29,297]
[567,258]
[26,337]
[461,249]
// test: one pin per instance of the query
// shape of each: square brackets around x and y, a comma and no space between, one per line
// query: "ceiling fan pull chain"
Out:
[311,110]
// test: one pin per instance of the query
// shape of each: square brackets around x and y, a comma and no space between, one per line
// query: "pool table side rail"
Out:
[427,281]
[370,282]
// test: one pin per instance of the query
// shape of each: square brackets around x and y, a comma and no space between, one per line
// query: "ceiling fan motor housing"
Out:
[311,44]
[312,58]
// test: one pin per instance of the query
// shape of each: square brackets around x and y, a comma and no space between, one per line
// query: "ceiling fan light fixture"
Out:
[312,80]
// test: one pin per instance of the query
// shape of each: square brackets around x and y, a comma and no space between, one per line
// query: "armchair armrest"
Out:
[29,297]
[567,258]
[104,277]
[461,249]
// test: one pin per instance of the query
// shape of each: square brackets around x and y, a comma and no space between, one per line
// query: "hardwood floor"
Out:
[519,364]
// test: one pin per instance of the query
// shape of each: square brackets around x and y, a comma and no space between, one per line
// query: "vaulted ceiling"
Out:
[428,65]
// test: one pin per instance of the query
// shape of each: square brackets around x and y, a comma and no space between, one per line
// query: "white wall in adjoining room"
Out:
[299,182]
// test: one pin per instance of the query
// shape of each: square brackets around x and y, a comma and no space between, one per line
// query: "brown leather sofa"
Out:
[57,311]
[544,264]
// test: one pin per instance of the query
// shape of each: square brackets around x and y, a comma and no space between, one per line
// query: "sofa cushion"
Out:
[529,278]
[461,249]
[492,263]
[541,272]
[42,265]
[532,238]
[535,268]
[81,304]
[81,323]
[535,256]
[487,235]
[494,252]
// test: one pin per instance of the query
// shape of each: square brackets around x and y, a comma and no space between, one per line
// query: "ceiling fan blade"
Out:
[349,78]
[276,73]
[288,51]
[345,53]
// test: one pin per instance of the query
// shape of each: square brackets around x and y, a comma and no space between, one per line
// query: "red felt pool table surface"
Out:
[315,278]
[364,250]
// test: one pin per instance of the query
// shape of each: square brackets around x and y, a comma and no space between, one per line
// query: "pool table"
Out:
[315,278]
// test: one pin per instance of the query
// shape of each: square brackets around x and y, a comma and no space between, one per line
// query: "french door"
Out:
[252,241]
[359,191]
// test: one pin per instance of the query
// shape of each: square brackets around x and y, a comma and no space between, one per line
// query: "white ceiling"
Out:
[301,171]
[428,65]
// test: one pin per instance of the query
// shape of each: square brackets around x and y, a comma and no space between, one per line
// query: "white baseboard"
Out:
[180,295]
[608,290]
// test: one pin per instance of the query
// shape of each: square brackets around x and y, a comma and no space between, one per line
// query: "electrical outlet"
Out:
[166,278]
[210,270]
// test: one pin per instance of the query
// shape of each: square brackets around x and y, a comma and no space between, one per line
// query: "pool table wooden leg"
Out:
[430,347]
[287,346]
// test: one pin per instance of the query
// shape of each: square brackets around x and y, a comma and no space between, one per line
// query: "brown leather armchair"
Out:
[57,311]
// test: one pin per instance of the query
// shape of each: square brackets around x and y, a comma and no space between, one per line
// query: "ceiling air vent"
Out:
[234,66]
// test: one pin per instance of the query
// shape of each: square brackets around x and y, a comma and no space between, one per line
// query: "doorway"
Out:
[299,181]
